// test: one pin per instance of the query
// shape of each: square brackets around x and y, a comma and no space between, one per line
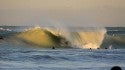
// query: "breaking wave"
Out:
[48,37]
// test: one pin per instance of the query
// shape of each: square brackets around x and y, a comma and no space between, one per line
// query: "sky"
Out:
[85,13]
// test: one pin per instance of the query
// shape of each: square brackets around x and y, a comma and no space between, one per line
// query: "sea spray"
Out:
[90,38]
[86,38]
[76,37]
[43,38]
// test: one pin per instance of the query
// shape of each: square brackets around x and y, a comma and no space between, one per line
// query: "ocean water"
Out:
[22,53]
[60,59]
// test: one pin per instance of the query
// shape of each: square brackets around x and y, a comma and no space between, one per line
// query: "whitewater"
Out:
[30,48]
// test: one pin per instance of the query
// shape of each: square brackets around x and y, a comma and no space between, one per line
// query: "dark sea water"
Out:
[15,55]
[14,58]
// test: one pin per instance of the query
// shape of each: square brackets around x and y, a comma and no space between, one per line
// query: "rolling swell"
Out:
[114,41]
[114,38]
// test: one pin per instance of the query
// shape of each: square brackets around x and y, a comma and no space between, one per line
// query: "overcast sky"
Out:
[86,13]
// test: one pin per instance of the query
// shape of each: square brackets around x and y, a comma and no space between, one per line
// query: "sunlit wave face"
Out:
[36,36]
[90,39]
[83,39]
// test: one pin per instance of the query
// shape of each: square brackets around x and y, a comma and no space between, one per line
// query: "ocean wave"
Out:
[48,37]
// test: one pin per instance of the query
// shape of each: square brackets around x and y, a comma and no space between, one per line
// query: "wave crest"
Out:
[42,37]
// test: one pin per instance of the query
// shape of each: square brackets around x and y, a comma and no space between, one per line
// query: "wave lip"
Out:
[42,37]
[78,38]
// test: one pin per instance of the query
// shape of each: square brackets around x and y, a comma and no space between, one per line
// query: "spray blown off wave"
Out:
[86,39]
[48,37]
[90,39]
[43,38]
